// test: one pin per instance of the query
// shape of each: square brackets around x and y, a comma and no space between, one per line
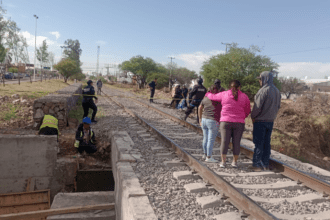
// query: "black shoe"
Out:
[93,121]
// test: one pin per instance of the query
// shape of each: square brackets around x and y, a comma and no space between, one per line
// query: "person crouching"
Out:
[85,137]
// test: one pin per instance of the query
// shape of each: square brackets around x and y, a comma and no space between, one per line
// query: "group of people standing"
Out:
[228,110]
[234,107]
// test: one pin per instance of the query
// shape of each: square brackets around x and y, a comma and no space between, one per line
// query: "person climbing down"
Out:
[85,137]
[87,103]
[49,126]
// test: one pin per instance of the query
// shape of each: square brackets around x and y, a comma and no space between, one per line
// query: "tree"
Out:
[183,75]
[42,53]
[13,70]
[67,67]
[73,50]
[291,86]
[241,64]
[141,67]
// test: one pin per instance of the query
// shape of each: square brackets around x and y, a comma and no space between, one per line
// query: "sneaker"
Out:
[204,157]
[222,165]
[93,121]
[234,164]
[211,160]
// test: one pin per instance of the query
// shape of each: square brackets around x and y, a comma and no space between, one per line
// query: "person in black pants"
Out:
[87,103]
[85,137]
[152,86]
[177,96]
[195,98]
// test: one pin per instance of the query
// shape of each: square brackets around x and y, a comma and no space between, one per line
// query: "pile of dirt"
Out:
[16,112]
[301,121]
[292,116]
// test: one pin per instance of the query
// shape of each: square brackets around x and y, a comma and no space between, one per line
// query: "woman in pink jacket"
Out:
[235,108]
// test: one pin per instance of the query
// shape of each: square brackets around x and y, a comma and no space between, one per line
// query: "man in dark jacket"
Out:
[152,86]
[177,96]
[195,98]
[267,102]
[217,83]
[87,103]
[99,86]
[85,137]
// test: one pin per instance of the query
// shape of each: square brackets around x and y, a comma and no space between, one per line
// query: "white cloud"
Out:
[194,61]
[101,42]
[56,34]
[314,70]
[30,39]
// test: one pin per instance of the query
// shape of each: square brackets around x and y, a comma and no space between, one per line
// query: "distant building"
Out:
[317,85]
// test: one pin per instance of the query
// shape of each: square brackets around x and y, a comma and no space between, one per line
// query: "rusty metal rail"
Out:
[314,183]
[235,197]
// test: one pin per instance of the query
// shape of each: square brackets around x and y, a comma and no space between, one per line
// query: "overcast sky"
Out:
[293,33]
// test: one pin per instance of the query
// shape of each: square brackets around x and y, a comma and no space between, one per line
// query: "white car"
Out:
[18,75]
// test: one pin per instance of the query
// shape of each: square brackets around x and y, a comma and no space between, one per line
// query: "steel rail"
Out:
[235,197]
[302,177]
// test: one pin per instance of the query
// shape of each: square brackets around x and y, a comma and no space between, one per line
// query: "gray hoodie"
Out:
[99,83]
[267,101]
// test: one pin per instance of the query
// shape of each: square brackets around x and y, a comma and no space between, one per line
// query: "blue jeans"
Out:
[262,132]
[210,130]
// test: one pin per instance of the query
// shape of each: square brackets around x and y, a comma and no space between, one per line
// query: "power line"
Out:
[301,51]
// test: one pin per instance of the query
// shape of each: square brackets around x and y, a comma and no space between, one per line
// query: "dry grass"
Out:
[34,89]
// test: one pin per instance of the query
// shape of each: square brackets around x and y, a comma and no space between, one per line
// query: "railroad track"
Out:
[284,193]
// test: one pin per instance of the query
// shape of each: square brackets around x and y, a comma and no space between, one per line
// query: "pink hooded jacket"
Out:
[232,110]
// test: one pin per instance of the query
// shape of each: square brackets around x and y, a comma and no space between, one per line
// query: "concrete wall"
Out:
[131,201]
[25,156]
[58,105]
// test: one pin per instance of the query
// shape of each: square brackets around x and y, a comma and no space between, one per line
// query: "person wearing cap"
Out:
[87,103]
[195,98]
[85,137]
[217,83]
[267,102]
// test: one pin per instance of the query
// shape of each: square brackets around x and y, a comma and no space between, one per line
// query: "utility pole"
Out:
[35,48]
[169,83]
[97,64]
[107,67]
[226,46]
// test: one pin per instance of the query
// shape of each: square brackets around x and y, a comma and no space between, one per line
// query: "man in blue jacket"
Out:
[88,102]
[152,86]
[267,102]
